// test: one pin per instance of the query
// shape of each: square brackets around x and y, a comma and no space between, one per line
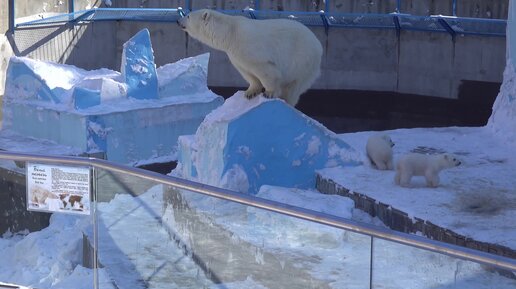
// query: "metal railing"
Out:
[398,21]
[280,208]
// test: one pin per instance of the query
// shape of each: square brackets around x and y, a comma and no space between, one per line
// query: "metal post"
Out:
[11,15]
[256,4]
[398,6]
[94,214]
[371,264]
[327,6]
[71,7]
[188,5]
[454,7]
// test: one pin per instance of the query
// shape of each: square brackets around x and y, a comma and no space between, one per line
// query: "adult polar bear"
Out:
[280,56]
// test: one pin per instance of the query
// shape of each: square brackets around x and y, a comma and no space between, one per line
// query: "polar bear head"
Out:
[208,26]
[449,161]
[388,140]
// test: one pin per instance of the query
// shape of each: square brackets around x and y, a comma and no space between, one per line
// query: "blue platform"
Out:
[245,144]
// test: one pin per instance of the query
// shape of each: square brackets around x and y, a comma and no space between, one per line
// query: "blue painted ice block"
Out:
[138,68]
[271,144]
[90,111]
[127,136]
[30,86]
[84,98]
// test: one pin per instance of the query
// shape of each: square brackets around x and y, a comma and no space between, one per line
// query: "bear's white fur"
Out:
[279,57]
[379,151]
[429,166]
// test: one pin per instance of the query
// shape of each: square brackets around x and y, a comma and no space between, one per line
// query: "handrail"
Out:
[285,209]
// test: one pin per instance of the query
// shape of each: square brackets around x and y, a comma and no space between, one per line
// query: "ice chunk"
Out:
[266,139]
[25,85]
[84,98]
[503,119]
[112,90]
[138,68]
[186,76]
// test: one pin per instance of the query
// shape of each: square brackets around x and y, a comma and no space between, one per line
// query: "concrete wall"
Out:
[415,62]
[374,60]
[465,8]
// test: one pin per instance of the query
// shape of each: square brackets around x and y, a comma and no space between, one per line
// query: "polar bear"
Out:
[379,151]
[429,166]
[278,57]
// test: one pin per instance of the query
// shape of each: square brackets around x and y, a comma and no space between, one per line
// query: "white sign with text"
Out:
[52,188]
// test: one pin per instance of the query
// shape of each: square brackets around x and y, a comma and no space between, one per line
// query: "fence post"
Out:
[11,15]
[327,6]
[398,6]
[454,7]
[71,7]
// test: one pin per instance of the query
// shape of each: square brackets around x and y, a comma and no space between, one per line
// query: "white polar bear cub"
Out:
[379,151]
[429,166]
[279,56]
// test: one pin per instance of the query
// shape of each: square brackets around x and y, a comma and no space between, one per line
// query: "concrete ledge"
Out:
[400,221]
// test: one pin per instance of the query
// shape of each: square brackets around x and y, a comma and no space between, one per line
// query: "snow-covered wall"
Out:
[503,119]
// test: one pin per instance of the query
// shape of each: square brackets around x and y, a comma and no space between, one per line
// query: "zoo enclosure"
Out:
[376,245]
[330,13]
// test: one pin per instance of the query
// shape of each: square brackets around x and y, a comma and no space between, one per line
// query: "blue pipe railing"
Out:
[398,21]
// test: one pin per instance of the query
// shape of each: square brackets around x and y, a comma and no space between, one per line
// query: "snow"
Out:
[503,119]
[476,199]
[50,258]
[136,229]
[143,243]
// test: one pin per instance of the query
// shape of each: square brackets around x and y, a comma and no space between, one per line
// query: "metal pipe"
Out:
[285,209]
[11,15]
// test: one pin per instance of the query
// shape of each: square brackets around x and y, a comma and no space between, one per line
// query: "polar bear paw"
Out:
[252,92]
[268,94]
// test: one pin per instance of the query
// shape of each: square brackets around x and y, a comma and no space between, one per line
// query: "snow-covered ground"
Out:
[137,251]
[476,199]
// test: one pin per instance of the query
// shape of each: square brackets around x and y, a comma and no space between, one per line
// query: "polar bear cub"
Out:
[379,151]
[429,166]
[279,57]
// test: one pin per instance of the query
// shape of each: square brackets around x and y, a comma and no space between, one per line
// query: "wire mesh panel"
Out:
[477,26]
[361,20]
[467,26]
[110,14]
[307,18]
[57,19]
[418,23]
[151,15]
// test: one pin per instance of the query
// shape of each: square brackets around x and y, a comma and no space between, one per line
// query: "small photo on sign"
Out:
[53,188]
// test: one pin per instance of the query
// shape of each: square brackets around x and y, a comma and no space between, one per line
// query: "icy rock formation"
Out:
[245,144]
[97,111]
[138,68]
[503,118]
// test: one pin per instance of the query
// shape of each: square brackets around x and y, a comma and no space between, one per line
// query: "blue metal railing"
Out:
[398,21]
